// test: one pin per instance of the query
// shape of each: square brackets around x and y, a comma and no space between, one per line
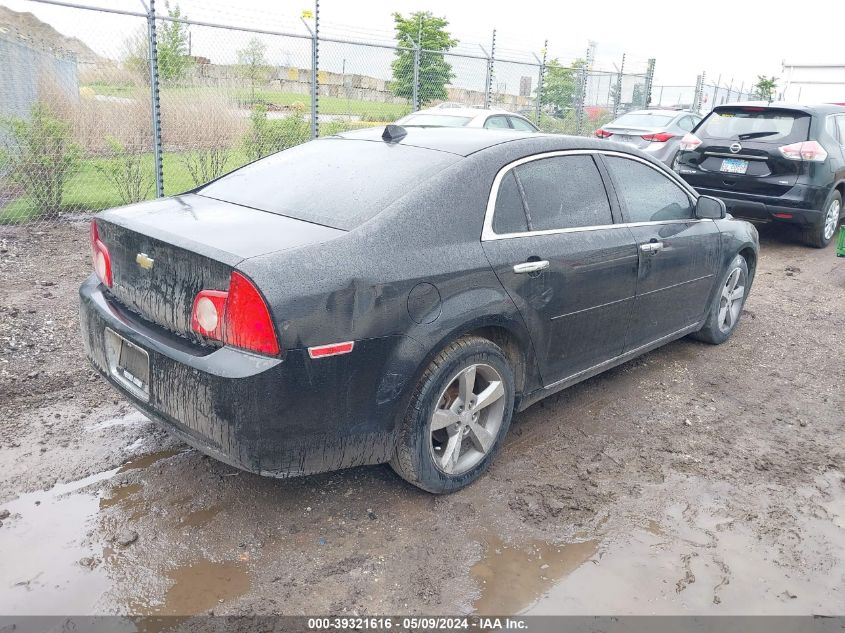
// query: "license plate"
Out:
[128,364]
[734,165]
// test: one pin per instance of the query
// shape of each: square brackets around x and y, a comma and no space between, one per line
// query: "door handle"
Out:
[651,247]
[531,267]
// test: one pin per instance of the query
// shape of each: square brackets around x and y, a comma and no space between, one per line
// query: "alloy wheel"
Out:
[730,301]
[467,419]
[831,219]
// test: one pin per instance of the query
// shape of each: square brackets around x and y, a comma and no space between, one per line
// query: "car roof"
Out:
[666,112]
[455,140]
[820,108]
[463,111]
[464,141]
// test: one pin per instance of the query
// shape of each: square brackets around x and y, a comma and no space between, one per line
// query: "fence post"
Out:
[315,58]
[582,95]
[488,84]
[617,98]
[540,82]
[416,92]
[155,103]
[696,97]
[649,80]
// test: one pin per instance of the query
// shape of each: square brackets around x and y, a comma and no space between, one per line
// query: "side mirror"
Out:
[708,208]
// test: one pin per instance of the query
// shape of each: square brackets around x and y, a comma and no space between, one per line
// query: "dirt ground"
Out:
[695,479]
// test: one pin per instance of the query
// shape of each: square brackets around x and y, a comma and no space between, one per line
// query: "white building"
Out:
[813,83]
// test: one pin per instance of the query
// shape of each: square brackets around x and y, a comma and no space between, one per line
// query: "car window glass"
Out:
[509,214]
[840,123]
[686,123]
[497,123]
[521,124]
[563,192]
[648,195]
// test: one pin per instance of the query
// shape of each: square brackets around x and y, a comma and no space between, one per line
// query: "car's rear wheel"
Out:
[726,309]
[458,416]
[821,235]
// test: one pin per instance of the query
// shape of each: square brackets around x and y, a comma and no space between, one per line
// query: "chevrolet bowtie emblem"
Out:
[144,261]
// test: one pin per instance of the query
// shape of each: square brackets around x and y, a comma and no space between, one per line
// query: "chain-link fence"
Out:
[701,97]
[162,104]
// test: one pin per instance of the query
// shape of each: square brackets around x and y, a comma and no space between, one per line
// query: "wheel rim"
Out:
[730,301]
[467,419]
[832,219]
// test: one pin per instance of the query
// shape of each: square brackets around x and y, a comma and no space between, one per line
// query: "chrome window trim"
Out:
[488,234]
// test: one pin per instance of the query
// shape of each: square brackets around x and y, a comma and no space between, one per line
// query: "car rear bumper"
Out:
[800,205]
[272,416]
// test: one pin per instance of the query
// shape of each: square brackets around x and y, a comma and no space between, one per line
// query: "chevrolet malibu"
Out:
[396,296]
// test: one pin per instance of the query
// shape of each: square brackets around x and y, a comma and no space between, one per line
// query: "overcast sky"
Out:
[735,41]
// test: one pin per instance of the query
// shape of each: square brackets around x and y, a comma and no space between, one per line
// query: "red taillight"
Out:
[238,317]
[805,150]
[100,256]
[689,142]
[331,350]
[660,137]
[603,133]
[783,216]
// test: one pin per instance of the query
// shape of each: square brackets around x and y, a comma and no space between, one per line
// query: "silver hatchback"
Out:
[656,132]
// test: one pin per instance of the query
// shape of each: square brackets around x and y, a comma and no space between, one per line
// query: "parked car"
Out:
[395,296]
[450,115]
[772,163]
[655,132]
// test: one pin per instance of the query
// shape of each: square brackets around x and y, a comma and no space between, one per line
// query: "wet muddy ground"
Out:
[695,479]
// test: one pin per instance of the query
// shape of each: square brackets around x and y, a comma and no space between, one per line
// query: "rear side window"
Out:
[509,215]
[764,125]
[436,120]
[497,123]
[563,192]
[334,182]
[521,124]
[648,195]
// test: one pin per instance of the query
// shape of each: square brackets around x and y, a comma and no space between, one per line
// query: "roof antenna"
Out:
[393,133]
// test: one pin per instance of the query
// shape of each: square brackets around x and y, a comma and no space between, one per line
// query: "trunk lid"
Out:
[740,150]
[632,135]
[165,251]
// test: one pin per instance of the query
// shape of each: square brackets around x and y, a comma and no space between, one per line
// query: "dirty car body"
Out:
[367,258]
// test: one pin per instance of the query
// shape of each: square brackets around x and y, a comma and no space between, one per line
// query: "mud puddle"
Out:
[72,550]
[513,576]
[704,556]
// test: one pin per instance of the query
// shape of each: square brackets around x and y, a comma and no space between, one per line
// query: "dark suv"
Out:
[777,162]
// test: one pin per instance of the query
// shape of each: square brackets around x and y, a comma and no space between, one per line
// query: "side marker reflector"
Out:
[335,349]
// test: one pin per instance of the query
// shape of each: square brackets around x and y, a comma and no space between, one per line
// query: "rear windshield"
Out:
[334,182]
[781,126]
[643,120]
[436,120]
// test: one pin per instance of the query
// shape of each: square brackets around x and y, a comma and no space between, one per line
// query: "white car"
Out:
[453,115]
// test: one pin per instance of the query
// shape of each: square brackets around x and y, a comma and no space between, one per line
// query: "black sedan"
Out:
[395,296]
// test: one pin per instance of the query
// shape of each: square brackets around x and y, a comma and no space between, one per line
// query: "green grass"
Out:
[367,110]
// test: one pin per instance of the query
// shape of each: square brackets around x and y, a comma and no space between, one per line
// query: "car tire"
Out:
[822,234]
[726,308]
[437,424]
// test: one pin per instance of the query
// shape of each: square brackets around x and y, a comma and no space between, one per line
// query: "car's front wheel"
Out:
[726,309]
[457,418]
[822,234]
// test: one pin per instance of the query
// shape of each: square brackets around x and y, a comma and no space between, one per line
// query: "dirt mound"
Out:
[25,25]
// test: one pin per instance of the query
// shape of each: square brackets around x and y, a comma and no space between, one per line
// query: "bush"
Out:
[127,172]
[40,157]
[205,165]
[266,137]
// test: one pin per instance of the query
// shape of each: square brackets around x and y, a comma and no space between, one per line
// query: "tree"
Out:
[253,64]
[765,88]
[171,47]
[560,85]
[40,156]
[428,32]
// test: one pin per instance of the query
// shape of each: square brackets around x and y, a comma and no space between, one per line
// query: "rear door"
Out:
[678,254]
[572,272]
[739,150]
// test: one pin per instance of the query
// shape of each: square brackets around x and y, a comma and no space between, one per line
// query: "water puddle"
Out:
[147,460]
[512,577]
[200,587]
[49,563]
[199,518]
